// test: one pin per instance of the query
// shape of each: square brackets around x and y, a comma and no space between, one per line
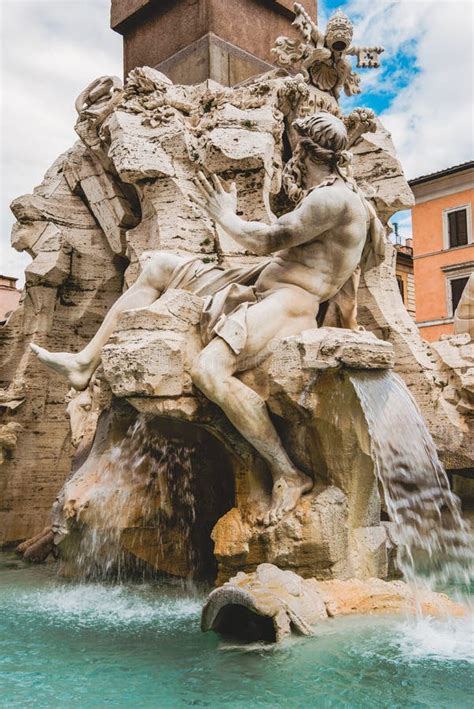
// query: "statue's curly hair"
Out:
[324,139]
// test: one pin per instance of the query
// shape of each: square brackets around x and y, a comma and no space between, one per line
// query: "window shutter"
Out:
[457,227]
[457,287]
[461,222]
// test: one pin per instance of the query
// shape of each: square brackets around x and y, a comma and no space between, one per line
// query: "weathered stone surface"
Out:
[122,192]
[152,351]
[331,348]
[455,362]
[282,596]
[377,167]
[8,438]
[112,204]
[60,310]
[312,539]
[377,596]
[49,268]
[269,604]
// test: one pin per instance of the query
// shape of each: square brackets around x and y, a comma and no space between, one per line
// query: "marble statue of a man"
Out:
[314,251]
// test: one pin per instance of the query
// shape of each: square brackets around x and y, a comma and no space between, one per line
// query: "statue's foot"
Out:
[355,327]
[285,495]
[66,364]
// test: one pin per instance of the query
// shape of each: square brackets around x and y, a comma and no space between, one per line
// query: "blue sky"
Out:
[396,71]
[51,49]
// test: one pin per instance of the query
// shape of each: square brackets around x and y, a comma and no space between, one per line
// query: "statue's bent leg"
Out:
[80,367]
[213,373]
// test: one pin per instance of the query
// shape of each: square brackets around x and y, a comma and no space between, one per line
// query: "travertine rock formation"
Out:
[455,359]
[119,193]
[335,532]
[464,315]
[70,284]
[270,604]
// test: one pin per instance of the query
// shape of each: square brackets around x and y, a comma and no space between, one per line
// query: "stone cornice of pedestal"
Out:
[123,11]
[220,56]
[155,31]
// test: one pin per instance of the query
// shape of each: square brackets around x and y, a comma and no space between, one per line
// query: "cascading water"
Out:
[434,543]
[145,485]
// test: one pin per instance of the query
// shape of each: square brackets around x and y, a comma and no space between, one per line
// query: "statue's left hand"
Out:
[214,199]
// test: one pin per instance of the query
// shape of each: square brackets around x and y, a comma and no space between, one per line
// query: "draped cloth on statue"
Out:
[228,292]
[374,249]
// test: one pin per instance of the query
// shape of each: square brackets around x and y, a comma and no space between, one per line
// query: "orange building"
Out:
[443,248]
[9,297]
[404,275]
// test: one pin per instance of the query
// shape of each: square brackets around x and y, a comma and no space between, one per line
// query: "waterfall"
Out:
[434,543]
[144,490]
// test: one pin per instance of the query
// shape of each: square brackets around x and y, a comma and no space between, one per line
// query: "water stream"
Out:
[434,542]
[145,486]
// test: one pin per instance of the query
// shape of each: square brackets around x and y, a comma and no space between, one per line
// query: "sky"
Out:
[51,49]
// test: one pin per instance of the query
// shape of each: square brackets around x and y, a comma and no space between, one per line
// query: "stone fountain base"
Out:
[335,532]
[270,604]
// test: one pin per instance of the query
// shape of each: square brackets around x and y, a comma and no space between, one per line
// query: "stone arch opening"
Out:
[240,623]
[201,489]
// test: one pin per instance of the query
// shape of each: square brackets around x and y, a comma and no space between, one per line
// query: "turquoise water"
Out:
[90,645]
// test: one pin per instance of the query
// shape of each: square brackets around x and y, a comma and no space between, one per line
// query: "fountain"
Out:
[155,480]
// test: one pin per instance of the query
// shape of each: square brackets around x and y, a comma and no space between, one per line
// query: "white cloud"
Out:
[432,118]
[50,50]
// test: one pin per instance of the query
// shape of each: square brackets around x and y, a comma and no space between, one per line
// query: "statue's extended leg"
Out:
[214,371]
[79,367]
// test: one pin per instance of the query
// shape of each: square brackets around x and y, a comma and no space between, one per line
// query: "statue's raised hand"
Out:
[213,198]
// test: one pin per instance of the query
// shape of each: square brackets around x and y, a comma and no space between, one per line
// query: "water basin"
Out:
[94,645]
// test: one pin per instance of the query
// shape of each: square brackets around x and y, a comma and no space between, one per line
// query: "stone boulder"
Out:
[270,604]
[266,605]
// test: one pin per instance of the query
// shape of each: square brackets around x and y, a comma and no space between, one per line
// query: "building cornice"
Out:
[469,165]
[443,185]
[443,251]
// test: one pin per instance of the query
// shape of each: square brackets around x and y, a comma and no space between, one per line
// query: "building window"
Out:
[401,287]
[456,286]
[457,227]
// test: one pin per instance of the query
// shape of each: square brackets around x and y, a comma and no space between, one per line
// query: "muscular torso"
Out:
[322,265]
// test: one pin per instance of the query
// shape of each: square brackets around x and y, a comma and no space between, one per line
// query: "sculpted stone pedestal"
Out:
[335,530]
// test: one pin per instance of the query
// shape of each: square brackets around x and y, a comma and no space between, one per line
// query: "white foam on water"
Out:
[93,604]
[437,639]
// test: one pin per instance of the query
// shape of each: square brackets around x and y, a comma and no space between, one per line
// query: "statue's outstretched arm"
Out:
[311,218]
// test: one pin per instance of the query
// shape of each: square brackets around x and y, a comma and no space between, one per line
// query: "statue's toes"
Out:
[40,352]
[268,518]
